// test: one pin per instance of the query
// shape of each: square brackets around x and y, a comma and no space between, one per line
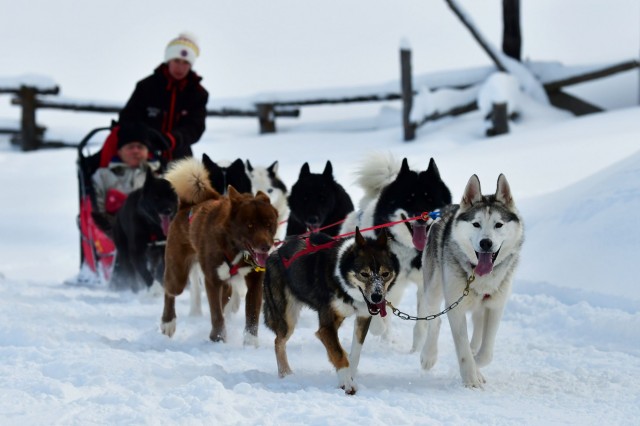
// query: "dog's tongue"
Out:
[382,306]
[261,258]
[377,308]
[419,235]
[165,221]
[485,264]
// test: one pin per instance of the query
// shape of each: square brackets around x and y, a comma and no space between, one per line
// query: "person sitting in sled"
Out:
[126,170]
[172,100]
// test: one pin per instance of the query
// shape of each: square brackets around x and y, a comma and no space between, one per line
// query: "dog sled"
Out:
[97,249]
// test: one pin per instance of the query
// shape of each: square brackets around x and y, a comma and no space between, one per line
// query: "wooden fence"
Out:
[266,108]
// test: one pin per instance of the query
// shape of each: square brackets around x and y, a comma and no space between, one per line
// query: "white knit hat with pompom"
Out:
[185,46]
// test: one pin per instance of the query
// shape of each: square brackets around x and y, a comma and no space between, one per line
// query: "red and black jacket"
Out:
[175,108]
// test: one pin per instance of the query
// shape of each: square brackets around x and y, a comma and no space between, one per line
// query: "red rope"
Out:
[307,250]
[311,249]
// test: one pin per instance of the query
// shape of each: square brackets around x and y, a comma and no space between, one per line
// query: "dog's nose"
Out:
[486,244]
[313,220]
[376,298]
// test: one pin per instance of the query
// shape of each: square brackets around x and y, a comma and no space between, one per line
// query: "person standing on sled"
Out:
[172,100]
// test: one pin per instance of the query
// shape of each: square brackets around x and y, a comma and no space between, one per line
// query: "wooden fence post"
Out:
[511,37]
[266,118]
[29,135]
[406,87]
[499,120]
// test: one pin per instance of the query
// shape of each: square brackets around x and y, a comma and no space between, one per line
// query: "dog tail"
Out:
[190,180]
[376,171]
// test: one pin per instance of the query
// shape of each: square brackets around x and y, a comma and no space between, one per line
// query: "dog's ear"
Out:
[233,194]
[239,164]
[383,239]
[249,166]
[206,160]
[304,171]
[273,169]
[472,193]
[261,196]
[432,170]
[405,167]
[209,164]
[503,192]
[328,171]
[359,238]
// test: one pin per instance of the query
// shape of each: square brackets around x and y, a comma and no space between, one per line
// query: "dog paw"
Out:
[428,361]
[346,382]
[284,372]
[168,328]
[156,289]
[474,381]
[250,340]
[218,335]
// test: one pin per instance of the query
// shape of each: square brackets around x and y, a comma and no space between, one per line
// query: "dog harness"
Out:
[309,248]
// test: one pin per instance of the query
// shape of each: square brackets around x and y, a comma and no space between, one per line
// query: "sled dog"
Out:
[221,175]
[225,235]
[317,200]
[266,179]
[139,232]
[336,279]
[394,192]
[480,237]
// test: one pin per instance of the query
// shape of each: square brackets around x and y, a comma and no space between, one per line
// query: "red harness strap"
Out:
[307,250]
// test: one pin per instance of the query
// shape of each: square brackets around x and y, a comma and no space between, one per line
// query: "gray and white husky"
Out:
[481,237]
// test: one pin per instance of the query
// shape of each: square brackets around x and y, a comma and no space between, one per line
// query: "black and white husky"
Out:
[266,179]
[480,237]
[336,279]
[394,192]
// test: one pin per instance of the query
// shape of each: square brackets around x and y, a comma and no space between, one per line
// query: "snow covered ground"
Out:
[567,350]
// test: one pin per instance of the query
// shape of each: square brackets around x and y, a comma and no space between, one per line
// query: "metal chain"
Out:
[405,316]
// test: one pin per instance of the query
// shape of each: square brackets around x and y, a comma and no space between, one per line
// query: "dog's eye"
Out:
[498,225]
[476,224]
[386,274]
[365,274]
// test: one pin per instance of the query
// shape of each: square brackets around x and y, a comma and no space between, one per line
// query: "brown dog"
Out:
[226,235]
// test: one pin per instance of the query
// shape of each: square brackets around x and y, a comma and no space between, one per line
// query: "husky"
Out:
[266,179]
[479,238]
[139,232]
[316,201]
[393,192]
[221,176]
[219,233]
[336,279]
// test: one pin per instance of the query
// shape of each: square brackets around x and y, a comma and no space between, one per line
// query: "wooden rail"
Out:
[30,136]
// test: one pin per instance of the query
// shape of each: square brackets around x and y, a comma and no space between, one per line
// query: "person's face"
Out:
[179,68]
[133,153]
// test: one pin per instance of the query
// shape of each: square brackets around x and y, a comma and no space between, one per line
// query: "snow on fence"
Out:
[440,94]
